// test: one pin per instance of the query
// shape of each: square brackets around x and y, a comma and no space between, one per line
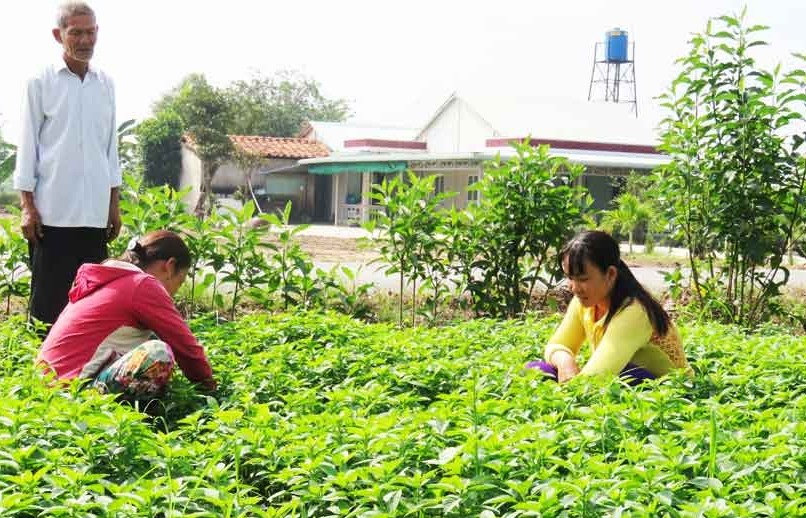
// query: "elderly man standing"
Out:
[67,164]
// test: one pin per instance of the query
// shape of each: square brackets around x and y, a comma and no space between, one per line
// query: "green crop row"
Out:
[321,415]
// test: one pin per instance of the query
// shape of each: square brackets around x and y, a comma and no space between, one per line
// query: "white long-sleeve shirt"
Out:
[67,153]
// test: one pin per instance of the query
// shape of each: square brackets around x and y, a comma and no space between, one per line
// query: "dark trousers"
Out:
[632,373]
[54,260]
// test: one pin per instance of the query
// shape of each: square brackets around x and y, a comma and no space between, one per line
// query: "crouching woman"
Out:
[629,332]
[121,330]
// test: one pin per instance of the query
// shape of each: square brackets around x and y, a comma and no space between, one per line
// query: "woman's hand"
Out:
[566,365]
[208,384]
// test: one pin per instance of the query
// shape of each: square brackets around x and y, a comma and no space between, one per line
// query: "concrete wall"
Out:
[457,129]
[229,177]
[281,188]
[190,176]
[457,182]
[474,130]
[441,135]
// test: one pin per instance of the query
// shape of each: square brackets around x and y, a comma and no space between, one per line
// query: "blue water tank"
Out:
[616,46]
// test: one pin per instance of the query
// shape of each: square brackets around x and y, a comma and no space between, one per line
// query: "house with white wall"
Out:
[459,138]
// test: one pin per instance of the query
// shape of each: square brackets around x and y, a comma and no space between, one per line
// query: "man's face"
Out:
[78,38]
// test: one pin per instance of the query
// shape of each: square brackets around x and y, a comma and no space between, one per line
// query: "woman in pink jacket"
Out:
[106,332]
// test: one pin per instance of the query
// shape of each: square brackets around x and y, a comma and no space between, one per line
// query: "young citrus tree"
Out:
[530,206]
[411,230]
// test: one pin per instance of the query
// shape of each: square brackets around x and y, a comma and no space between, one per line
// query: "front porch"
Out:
[352,188]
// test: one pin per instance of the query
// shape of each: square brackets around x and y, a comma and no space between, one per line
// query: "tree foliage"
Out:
[530,206]
[498,251]
[159,149]
[278,105]
[8,159]
[734,189]
[127,145]
[412,230]
[627,213]
[205,116]
[272,106]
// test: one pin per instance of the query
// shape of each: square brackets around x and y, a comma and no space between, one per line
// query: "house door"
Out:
[322,196]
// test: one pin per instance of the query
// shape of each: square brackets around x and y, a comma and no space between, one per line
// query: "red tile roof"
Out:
[277,147]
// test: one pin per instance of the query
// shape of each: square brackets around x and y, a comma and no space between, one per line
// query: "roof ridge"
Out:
[364,125]
[270,137]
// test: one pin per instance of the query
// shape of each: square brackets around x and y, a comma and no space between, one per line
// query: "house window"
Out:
[472,195]
[439,185]
[353,194]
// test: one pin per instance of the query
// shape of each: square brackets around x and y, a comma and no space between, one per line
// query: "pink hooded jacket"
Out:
[113,308]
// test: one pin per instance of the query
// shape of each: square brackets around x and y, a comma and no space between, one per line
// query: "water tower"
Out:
[613,73]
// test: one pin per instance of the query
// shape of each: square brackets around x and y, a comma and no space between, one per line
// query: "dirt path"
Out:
[350,247]
[331,249]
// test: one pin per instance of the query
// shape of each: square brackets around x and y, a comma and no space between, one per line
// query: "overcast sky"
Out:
[395,61]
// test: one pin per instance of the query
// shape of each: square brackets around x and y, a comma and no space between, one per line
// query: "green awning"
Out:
[357,167]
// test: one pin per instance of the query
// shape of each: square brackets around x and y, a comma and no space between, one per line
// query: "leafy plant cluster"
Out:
[636,208]
[239,257]
[735,188]
[318,415]
[8,159]
[499,252]
[14,275]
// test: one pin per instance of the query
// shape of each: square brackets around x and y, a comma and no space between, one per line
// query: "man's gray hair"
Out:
[68,9]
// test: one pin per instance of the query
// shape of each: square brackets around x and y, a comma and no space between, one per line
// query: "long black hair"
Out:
[602,250]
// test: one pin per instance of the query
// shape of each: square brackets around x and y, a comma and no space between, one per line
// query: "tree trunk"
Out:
[413,301]
[400,299]
[254,198]
[252,192]
[204,205]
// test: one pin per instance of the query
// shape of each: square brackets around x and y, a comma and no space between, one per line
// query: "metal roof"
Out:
[588,158]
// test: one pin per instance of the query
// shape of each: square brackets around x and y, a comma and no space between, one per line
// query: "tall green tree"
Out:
[159,148]
[736,186]
[411,229]
[278,105]
[205,115]
[645,188]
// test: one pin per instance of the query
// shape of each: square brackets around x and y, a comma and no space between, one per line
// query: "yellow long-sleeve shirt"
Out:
[628,338]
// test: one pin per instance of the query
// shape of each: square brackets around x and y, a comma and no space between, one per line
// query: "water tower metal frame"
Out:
[617,76]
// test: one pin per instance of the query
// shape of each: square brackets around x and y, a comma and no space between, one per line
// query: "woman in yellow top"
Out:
[629,332]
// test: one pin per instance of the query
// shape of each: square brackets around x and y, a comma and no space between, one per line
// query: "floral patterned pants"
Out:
[141,373]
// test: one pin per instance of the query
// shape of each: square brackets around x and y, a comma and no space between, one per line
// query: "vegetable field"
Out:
[320,415]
